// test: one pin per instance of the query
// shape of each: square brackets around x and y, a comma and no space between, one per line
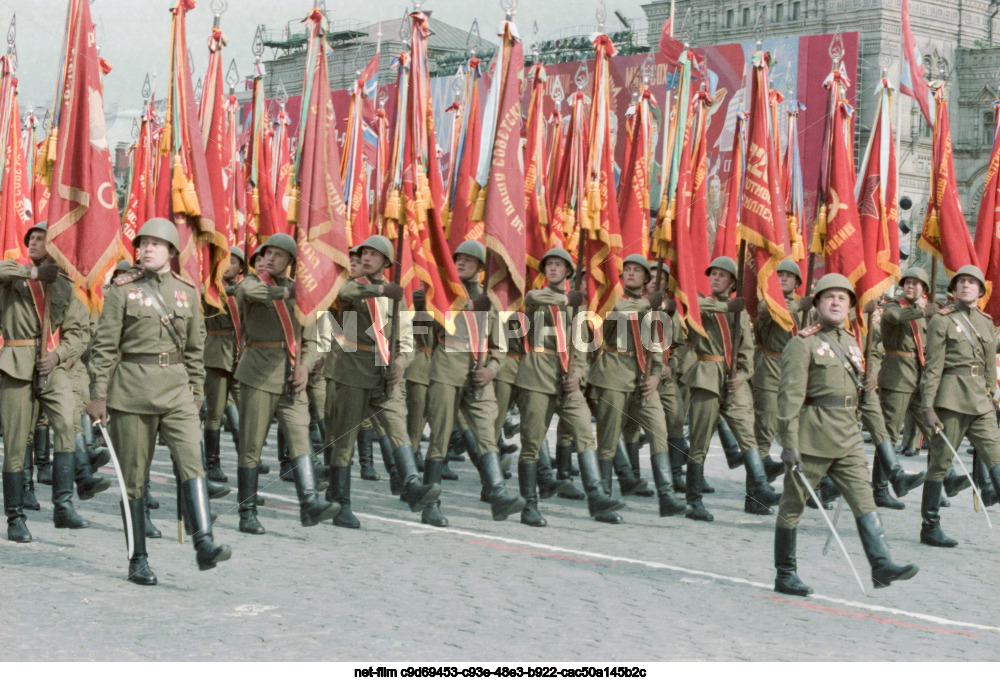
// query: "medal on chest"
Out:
[824,349]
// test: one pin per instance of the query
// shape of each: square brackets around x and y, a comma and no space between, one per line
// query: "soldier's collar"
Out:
[558,288]
[155,276]
[472,286]
[634,293]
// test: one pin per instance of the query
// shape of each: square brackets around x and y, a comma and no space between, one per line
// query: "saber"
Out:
[975,489]
[836,517]
[833,530]
[126,511]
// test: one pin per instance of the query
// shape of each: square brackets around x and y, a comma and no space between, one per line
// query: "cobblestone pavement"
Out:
[651,589]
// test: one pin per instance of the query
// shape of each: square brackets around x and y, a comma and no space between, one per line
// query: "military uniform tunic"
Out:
[539,376]
[20,403]
[150,384]
[818,398]
[771,340]
[418,376]
[264,371]
[959,382]
[220,354]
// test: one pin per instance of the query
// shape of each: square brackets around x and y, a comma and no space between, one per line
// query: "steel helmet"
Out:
[379,243]
[123,266]
[969,271]
[284,242]
[724,263]
[238,252]
[161,228]
[473,248]
[791,267]
[916,273]
[42,226]
[560,253]
[637,259]
[829,282]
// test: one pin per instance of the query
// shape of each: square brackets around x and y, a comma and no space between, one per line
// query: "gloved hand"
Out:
[481,303]
[670,306]
[570,384]
[931,419]
[733,384]
[655,299]
[871,380]
[392,291]
[931,309]
[47,365]
[649,387]
[575,298]
[46,272]
[393,374]
[805,303]
[870,307]
[481,377]
[791,457]
[97,410]
[737,304]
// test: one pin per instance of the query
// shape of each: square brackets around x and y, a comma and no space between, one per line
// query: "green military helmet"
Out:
[43,226]
[354,250]
[833,281]
[256,254]
[284,242]
[970,271]
[161,228]
[637,259]
[916,273]
[560,253]
[123,266]
[724,263]
[791,267]
[472,248]
[238,252]
[379,243]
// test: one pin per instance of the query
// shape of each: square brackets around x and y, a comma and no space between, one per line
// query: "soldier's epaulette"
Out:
[947,309]
[810,330]
[128,277]
[184,280]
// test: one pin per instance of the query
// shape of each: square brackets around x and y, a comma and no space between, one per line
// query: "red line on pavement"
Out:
[543,554]
[860,615]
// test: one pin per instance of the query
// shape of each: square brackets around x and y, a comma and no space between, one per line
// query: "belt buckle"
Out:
[976,371]
[850,401]
[163,359]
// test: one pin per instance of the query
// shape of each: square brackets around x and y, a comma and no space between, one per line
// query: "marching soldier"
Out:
[30,382]
[418,376]
[714,394]
[368,376]
[273,372]
[956,393]
[625,378]
[462,369]
[548,383]
[224,330]
[818,397]
[148,374]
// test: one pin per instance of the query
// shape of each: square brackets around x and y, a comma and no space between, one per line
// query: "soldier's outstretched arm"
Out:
[11,270]
[257,291]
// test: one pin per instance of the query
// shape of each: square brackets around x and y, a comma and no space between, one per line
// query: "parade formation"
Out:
[251,281]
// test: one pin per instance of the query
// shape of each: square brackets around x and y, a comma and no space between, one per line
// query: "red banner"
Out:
[633,189]
[536,181]
[15,203]
[988,229]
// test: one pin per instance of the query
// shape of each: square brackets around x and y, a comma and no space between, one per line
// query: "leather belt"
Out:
[162,359]
[346,344]
[711,358]
[548,351]
[20,343]
[845,402]
[630,353]
[518,355]
[267,344]
[964,371]
[770,353]
[426,351]
[459,346]
[221,332]
[900,353]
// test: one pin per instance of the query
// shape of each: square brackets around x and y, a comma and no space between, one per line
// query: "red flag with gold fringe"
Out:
[988,227]
[536,181]
[461,195]
[633,188]
[725,238]
[141,203]
[15,203]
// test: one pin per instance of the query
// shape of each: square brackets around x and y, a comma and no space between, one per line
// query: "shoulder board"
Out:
[184,280]
[984,315]
[810,330]
[128,277]
[946,310]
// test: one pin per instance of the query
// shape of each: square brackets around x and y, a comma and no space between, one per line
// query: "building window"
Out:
[779,12]
[730,18]
[746,16]
[988,129]
[795,10]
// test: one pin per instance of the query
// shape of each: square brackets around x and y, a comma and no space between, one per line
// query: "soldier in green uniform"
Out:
[548,382]
[148,374]
[30,383]
[368,377]
[956,393]
[715,394]
[624,379]
[273,372]
[418,376]
[221,352]
[459,382]
[822,374]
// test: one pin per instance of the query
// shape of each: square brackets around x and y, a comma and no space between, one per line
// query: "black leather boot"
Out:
[246,496]
[139,571]
[312,509]
[627,480]
[901,481]
[772,467]
[787,581]
[207,552]
[232,414]
[395,479]
[213,457]
[98,456]
[13,489]
[930,529]
[527,477]
[678,456]
[955,483]
[152,532]
[511,426]
[342,495]
[285,471]
[88,485]
[64,515]
[415,494]
[215,489]
[633,460]
[981,476]
[456,445]
[151,502]
[317,431]
[827,493]
[670,505]
[366,454]
[28,499]
[600,504]
[730,445]
[446,472]
[431,514]
[564,472]
[884,571]
[548,484]
[695,475]
[880,488]
[759,490]
[40,444]
[502,503]
[995,477]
